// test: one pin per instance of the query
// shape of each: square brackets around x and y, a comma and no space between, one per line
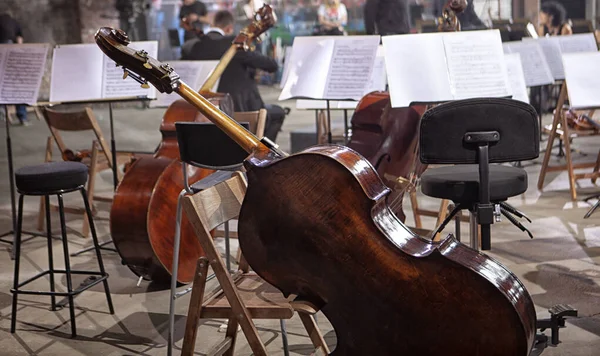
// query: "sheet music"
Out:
[582,73]
[582,42]
[113,85]
[416,69]
[76,73]
[378,79]
[476,64]
[23,66]
[351,67]
[516,78]
[551,49]
[535,68]
[312,74]
[193,73]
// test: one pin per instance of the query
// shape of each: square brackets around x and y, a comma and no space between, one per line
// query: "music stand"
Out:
[11,182]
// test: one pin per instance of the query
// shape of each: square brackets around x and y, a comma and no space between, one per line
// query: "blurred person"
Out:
[332,17]
[10,32]
[553,20]
[469,20]
[193,15]
[386,17]
[238,78]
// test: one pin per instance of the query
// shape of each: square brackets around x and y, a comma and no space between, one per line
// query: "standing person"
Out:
[10,32]
[192,16]
[333,16]
[386,17]
[553,20]
[469,20]
[238,78]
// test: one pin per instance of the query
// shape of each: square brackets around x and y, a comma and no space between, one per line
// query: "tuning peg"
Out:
[147,65]
[125,74]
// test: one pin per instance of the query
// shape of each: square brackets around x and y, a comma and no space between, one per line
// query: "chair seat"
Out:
[262,300]
[461,183]
[50,177]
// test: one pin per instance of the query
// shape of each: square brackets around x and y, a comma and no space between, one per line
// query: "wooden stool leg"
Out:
[195,308]
[313,332]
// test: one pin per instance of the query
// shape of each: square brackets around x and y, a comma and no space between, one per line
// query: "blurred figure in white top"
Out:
[333,16]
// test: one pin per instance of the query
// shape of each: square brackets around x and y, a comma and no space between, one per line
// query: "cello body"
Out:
[385,290]
[387,138]
[142,222]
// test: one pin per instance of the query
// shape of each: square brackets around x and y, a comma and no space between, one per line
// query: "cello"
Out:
[142,222]
[317,225]
[387,136]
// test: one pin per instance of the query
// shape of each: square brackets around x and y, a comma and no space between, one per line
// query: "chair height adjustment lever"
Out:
[514,221]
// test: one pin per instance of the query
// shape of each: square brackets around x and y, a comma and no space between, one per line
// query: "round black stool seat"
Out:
[50,177]
[461,183]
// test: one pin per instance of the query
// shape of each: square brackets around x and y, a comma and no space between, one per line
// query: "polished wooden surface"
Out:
[385,290]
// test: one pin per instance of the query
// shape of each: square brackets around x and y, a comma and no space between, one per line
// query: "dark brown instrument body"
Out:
[387,138]
[317,224]
[142,217]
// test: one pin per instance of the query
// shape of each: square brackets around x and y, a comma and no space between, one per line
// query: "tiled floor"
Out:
[561,265]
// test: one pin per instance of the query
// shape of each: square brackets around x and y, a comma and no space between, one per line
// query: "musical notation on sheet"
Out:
[22,67]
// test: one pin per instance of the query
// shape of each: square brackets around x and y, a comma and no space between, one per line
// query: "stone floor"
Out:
[561,265]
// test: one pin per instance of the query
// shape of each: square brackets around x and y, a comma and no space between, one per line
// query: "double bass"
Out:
[387,136]
[317,225]
[142,217]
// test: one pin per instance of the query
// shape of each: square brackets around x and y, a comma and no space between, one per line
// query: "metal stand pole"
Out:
[346,126]
[329,137]
[11,180]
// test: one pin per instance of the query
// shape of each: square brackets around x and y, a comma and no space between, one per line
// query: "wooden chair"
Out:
[323,130]
[560,130]
[242,296]
[98,158]
[256,119]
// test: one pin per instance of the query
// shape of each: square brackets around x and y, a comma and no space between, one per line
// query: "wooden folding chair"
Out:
[98,158]
[560,130]
[256,119]
[242,296]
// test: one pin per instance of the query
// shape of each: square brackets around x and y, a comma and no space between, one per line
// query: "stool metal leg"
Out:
[50,253]
[474,231]
[88,211]
[174,271]
[17,248]
[284,337]
[63,228]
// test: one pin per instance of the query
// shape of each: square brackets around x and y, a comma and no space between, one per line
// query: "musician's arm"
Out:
[566,30]
[258,61]
[370,15]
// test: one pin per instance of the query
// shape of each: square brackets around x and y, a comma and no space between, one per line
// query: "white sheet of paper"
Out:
[193,73]
[476,64]
[552,52]
[536,69]
[416,69]
[309,104]
[581,42]
[351,67]
[313,74]
[113,85]
[582,74]
[22,68]
[516,78]
[378,79]
[76,73]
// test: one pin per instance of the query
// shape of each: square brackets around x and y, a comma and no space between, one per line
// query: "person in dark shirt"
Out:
[10,32]
[192,16]
[386,17]
[469,20]
[238,78]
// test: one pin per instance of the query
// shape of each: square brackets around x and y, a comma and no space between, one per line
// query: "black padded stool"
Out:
[472,134]
[55,178]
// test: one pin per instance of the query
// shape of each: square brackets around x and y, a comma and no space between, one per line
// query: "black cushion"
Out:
[461,183]
[51,176]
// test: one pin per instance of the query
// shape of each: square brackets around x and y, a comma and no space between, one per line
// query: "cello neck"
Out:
[219,69]
[247,140]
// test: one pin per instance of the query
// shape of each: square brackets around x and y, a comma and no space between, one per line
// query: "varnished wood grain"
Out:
[317,225]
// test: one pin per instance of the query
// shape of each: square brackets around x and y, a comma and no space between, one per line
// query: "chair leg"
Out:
[50,253]
[174,272]
[42,213]
[414,203]
[85,229]
[568,158]
[474,231]
[97,249]
[65,242]
[17,247]
[284,337]
[195,308]
[313,331]
[232,330]
[557,114]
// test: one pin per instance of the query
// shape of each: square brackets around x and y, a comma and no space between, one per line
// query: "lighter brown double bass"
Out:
[142,217]
[317,225]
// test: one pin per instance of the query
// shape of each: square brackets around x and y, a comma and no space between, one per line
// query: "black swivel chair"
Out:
[470,134]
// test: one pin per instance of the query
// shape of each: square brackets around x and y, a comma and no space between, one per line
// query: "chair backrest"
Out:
[203,144]
[443,130]
[73,120]
[256,119]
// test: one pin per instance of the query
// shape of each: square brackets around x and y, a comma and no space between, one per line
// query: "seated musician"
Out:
[192,16]
[238,78]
